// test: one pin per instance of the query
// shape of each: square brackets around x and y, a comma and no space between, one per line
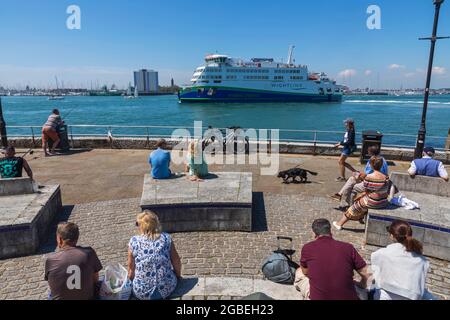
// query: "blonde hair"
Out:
[149,224]
[193,148]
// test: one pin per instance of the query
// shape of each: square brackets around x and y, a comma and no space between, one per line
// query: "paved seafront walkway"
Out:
[107,224]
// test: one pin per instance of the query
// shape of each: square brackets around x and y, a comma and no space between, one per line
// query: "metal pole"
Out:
[4,136]
[422,131]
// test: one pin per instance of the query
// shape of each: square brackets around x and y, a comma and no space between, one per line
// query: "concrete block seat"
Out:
[226,287]
[431,224]
[25,215]
[222,202]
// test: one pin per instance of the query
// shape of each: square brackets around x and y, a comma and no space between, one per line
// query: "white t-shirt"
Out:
[399,272]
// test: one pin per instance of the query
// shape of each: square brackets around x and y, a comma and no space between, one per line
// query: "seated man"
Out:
[427,166]
[72,271]
[326,267]
[160,161]
[355,184]
[11,166]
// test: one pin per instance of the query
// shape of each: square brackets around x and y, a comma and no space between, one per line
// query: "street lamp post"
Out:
[422,131]
[3,136]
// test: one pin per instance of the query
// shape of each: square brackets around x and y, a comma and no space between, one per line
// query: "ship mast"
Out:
[290,54]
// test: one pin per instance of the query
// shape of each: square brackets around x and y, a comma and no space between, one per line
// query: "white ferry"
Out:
[224,79]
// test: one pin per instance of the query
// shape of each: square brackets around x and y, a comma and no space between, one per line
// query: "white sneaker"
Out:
[338,227]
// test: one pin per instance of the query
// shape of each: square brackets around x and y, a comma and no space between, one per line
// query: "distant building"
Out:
[146,81]
[172,83]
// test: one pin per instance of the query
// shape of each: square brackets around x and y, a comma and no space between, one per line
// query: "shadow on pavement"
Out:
[184,286]
[259,219]
[49,245]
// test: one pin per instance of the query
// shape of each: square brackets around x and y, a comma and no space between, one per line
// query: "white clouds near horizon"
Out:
[395,66]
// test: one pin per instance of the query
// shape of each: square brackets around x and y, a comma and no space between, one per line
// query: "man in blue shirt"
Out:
[355,184]
[160,161]
[427,166]
[374,150]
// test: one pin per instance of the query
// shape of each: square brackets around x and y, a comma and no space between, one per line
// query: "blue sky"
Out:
[172,37]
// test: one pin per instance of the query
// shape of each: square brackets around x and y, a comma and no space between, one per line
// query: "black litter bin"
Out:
[370,138]
[64,145]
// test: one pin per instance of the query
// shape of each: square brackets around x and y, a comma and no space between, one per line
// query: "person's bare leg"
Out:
[349,167]
[342,165]
[44,147]
[55,145]
[343,221]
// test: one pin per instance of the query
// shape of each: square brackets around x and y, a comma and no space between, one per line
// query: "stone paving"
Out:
[108,226]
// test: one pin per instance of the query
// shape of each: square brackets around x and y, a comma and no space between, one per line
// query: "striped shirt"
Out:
[53,121]
[377,191]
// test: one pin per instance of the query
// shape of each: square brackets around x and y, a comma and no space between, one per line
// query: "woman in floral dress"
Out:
[153,262]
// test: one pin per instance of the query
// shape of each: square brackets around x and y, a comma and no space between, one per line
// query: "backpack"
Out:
[279,267]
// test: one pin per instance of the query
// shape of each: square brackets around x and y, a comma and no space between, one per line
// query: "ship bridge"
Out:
[216,58]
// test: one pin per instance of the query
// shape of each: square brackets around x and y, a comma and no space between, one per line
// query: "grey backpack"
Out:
[279,267]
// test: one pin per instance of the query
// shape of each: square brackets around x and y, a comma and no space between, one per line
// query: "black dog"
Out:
[294,173]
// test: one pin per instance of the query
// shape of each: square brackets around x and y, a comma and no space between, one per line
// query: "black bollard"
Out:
[3,134]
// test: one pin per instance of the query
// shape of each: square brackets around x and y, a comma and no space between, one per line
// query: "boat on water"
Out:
[56,98]
[129,95]
[225,79]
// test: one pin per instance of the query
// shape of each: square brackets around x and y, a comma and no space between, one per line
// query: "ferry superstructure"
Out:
[224,79]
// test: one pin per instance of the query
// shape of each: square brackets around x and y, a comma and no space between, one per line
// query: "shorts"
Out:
[49,133]
[348,151]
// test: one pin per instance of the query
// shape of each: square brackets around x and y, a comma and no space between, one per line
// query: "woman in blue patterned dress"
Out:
[153,262]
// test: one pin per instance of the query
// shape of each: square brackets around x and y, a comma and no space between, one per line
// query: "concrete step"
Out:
[217,287]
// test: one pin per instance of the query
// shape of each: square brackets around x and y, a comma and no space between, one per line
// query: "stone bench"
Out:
[11,187]
[431,224]
[25,217]
[222,202]
[225,288]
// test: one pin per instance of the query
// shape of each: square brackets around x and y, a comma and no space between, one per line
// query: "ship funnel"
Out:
[290,54]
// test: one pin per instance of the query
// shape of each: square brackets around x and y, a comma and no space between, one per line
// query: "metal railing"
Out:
[315,137]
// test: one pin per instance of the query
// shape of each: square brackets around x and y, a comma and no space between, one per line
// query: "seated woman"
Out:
[376,192]
[400,270]
[153,262]
[195,162]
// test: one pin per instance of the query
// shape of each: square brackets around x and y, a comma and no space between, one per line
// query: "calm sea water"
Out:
[393,115]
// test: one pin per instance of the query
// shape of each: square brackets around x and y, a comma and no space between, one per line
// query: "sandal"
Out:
[336,197]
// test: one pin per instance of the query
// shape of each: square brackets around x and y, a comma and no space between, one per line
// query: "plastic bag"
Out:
[115,284]
[402,201]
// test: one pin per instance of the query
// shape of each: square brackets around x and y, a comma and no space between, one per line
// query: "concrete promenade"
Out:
[101,190]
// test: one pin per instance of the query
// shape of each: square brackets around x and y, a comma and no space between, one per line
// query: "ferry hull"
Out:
[212,94]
